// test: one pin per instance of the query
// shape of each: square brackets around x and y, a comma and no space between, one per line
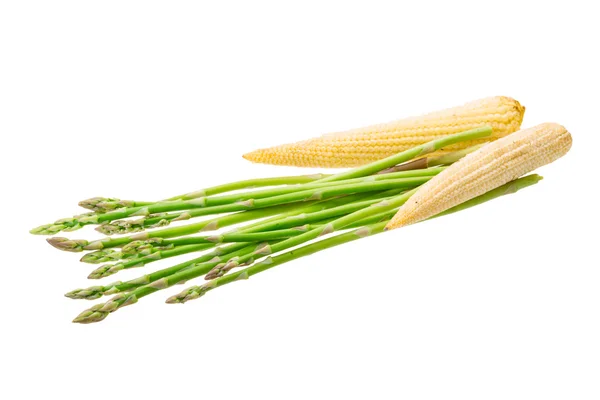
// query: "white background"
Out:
[149,99]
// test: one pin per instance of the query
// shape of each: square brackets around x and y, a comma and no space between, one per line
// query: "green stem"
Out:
[94,292]
[107,255]
[275,229]
[249,184]
[195,292]
[277,212]
[409,154]
[110,269]
[124,226]
[100,311]
[301,195]
[451,158]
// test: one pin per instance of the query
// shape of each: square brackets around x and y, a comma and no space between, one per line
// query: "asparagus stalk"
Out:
[230,237]
[274,230]
[277,212]
[105,204]
[195,292]
[107,255]
[266,230]
[201,210]
[100,311]
[369,169]
[296,196]
[451,158]
[203,243]
[428,162]
[111,269]
[94,292]
[163,219]
[409,154]
[238,249]
[249,184]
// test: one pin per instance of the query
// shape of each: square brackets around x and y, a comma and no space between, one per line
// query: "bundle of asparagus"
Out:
[283,213]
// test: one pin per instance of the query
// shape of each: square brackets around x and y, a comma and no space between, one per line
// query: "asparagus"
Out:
[451,158]
[273,228]
[248,184]
[75,223]
[106,255]
[230,237]
[100,311]
[111,269]
[164,219]
[301,195]
[195,292]
[78,245]
[95,203]
[94,292]
[409,154]
[428,162]
[278,228]
[105,204]
[203,243]
[61,225]
[276,212]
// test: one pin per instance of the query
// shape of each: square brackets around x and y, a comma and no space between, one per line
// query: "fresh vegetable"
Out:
[361,146]
[290,217]
[195,292]
[486,169]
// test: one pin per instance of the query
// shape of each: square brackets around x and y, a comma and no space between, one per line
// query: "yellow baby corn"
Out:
[364,145]
[485,169]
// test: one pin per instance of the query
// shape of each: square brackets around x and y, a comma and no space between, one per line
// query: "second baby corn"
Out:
[491,166]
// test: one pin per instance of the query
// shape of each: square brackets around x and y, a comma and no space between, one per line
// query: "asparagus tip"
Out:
[64,244]
[99,204]
[91,293]
[90,316]
[105,270]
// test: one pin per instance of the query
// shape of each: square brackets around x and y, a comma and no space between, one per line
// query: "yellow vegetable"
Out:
[362,146]
[489,167]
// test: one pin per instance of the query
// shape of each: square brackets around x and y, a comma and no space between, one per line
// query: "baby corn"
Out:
[361,146]
[485,169]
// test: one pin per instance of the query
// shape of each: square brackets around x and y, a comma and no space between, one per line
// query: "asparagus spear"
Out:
[110,269]
[278,228]
[100,311]
[195,292]
[248,184]
[369,169]
[428,162]
[273,228]
[94,292]
[203,243]
[276,212]
[296,196]
[303,195]
[164,219]
[107,255]
[105,204]
[409,154]
[75,223]
[238,249]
